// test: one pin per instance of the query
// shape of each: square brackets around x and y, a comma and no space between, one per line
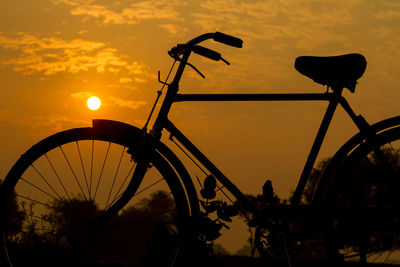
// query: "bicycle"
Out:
[57,204]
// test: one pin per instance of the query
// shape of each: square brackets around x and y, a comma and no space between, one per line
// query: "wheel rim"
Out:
[52,210]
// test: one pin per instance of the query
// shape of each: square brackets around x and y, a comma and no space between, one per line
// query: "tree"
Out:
[219,250]
[245,250]
[373,182]
[15,216]
[261,202]
[68,231]
[313,181]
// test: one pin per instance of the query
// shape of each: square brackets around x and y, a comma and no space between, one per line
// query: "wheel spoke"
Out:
[118,195]
[115,176]
[83,168]
[377,257]
[35,201]
[58,177]
[387,257]
[56,212]
[148,187]
[39,189]
[73,173]
[41,176]
[102,170]
[91,168]
[139,192]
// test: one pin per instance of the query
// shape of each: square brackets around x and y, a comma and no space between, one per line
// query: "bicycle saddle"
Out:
[337,72]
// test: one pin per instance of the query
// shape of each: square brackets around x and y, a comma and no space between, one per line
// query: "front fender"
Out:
[124,130]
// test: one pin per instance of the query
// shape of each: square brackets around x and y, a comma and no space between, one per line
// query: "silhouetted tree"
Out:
[68,221]
[313,180]
[245,250]
[366,182]
[261,202]
[218,249]
[371,182]
[67,231]
[15,216]
[147,230]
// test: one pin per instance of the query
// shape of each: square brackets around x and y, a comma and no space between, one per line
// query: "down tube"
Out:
[210,167]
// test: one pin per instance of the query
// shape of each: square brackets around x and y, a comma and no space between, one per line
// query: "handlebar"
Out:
[228,39]
[205,52]
[217,36]
[181,52]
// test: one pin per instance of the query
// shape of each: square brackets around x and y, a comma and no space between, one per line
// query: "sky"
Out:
[54,54]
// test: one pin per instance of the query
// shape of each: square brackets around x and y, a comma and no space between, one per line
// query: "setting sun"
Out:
[93,103]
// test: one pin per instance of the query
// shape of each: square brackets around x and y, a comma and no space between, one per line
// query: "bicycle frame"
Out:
[334,99]
[162,122]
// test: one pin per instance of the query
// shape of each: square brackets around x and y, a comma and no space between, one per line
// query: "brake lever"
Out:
[193,67]
[225,61]
[177,58]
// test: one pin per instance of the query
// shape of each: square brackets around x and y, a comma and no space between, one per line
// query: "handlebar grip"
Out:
[228,39]
[205,52]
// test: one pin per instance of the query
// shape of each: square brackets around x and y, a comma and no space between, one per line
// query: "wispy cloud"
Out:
[280,20]
[388,14]
[127,103]
[133,13]
[171,28]
[41,125]
[52,55]
[81,95]
[125,80]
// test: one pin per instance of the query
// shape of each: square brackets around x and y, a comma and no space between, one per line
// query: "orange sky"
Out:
[54,54]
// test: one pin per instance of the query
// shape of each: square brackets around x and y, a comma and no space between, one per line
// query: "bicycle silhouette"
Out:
[113,191]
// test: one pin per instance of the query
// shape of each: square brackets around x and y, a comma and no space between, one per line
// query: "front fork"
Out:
[141,154]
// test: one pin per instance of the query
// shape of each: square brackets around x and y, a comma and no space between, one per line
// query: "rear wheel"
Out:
[55,192]
[367,182]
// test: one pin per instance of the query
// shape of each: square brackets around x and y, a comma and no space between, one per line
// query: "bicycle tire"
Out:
[366,179]
[54,191]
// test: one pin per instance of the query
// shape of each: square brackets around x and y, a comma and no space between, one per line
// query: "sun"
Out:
[93,103]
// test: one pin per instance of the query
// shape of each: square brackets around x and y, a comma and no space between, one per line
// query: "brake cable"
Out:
[159,93]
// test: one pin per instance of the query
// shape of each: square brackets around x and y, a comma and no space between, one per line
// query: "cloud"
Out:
[52,55]
[125,80]
[132,13]
[279,20]
[388,14]
[127,103]
[171,28]
[41,125]
[81,95]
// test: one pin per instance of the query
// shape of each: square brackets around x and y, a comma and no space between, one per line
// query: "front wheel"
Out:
[53,194]
[368,183]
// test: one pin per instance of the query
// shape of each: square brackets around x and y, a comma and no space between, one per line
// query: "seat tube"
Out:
[333,103]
